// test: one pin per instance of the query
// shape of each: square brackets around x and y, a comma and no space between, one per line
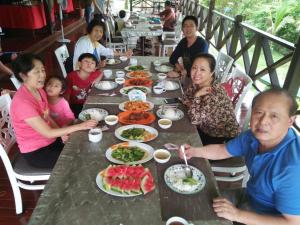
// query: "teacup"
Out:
[162,76]
[156,63]
[111,120]
[120,80]
[162,155]
[120,74]
[133,61]
[107,73]
[165,123]
[95,135]
[123,58]
[175,220]
[158,90]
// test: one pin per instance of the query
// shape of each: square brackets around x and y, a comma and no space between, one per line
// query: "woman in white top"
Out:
[90,44]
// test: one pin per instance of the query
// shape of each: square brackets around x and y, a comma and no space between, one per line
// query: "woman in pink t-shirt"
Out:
[59,107]
[36,133]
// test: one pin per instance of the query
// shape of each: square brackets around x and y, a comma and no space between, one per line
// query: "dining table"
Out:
[72,196]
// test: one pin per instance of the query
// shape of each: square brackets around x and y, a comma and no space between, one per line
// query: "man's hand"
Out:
[189,151]
[224,208]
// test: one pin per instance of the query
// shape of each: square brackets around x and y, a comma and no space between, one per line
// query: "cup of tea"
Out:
[158,90]
[165,123]
[162,76]
[95,135]
[120,74]
[175,220]
[133,61]
[120,80]
[162,155]
[107,73]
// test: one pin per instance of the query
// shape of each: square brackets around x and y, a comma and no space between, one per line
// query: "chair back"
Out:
[223,66]
[62,55]
[15,81]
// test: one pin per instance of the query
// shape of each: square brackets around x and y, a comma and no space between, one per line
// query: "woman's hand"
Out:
[128,53]
[203,91]
[89,124]
[224,208]
[189,151]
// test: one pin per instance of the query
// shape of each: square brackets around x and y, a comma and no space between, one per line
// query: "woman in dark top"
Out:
[187,48]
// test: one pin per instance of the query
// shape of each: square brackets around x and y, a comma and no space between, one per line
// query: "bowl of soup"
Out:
[162,155]
[111,120]
[165,123]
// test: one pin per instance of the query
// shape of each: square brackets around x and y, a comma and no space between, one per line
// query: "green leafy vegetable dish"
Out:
[190,181]
[134,134]
[126,91]
[128,154]
[135,68]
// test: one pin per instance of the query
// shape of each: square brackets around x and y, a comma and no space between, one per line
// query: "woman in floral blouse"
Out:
[209,107]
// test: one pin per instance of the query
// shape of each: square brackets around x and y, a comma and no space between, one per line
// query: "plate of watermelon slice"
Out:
[125,180]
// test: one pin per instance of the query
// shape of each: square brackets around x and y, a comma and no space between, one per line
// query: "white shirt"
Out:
[85,45]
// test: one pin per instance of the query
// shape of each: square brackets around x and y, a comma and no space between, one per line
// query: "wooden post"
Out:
[208,32]
[292,81]
[236,35]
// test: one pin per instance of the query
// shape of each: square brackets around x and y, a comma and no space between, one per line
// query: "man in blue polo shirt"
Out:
[272,153]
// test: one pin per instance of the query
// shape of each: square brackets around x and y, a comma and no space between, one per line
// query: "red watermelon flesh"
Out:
[147,184]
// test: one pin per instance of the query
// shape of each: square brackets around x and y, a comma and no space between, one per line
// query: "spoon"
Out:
[187,170]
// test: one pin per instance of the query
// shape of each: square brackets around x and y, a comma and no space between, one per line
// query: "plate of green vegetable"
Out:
[136,132]
[129,153]
[136,68]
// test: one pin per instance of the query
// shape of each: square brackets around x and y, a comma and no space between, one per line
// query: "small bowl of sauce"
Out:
[162,155]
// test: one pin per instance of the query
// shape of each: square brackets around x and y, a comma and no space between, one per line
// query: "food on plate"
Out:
[139,74]
[135,68]
[136,106]
[127,90]
[88,116]
[127,180]
[136,117]
[181,182]
[128,153]
[137,134]
[138,82]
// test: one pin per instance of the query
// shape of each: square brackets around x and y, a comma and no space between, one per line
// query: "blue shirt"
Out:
[274,184]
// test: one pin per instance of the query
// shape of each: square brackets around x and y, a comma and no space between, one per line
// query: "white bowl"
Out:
[95,135]
[156,63]
[123,58]
[107,73]
[111,120]
[162,76]
[120,74]
[165,123]
[162,155]
[177,219]
[120,80]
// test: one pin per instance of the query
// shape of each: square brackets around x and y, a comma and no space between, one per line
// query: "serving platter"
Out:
[106,85]
[94,113]
[140,106]
[152,133]
[178,114]
[125,90]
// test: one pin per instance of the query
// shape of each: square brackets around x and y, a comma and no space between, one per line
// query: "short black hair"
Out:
[167,3]
[122,14]
[193,18]
[24,63]
[209,57]
[293,106]
[94,23]
[89,56]
[61,80]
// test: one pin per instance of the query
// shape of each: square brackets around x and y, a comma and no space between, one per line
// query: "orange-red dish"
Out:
[139,74]
[136,117]
[139,82]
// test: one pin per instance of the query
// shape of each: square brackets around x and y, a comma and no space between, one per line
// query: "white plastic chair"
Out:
[223,66]
[115,43]
[170,39]
[62,54]
[17,169]
[15,81]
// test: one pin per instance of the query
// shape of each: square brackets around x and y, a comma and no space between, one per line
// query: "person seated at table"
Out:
[90,44]
[209,107]
[168,17]
[187,48]
[59,107]
[37,135]
[121,21]
[80,81]
[271,151]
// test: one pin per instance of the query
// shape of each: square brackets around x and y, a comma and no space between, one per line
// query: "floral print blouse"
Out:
[212,113]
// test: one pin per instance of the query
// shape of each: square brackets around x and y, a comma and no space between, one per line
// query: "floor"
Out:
[45,46]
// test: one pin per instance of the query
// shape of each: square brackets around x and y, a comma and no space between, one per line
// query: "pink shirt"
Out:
[61,112]
[25,106]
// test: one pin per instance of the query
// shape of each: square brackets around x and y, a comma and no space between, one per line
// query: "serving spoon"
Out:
[187,170]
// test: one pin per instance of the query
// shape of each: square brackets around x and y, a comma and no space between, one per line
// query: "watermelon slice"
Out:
[147,184]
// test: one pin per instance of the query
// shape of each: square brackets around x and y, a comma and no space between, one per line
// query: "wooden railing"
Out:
[240,39]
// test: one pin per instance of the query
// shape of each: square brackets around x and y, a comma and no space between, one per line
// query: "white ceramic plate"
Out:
[95,113]
[122,106]
[127,68]
[147,149]
[117,61]
[163,68]
[179,115]
[106,85]
[124,90]
[172,85]
[119,131]
[175,174]
[99,183]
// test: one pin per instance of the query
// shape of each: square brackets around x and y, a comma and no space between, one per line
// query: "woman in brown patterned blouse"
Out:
[209,107]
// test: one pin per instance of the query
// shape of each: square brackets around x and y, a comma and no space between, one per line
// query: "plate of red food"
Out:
[136,117]
[139,82]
